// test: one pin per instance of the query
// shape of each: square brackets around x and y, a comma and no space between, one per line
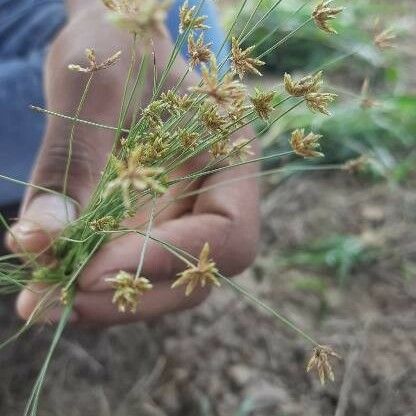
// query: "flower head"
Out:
[220,147]
[128,290]
[263,103]
[107,223]
[240,150]
[211,118]
[175,103]
[385,39]
[318,101]
[188,19]
[241,61]
[306,85]
[198,51]
[94,66]
[320,362]
[140,17]
[188,139]
[131,175]
[223,92]
[323,13]
[204,272]
[356,165]
[305,145]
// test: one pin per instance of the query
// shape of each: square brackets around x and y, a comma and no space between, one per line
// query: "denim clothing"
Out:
[26,29]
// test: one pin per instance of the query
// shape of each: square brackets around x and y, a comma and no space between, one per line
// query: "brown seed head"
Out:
[240,151]
[145,18]
[320,362]
[132,176]
[198,51]
[241,63]
[188,19]
[94,66]
[305,145]
[204,272]
[306,85]
[128,290]
[323,13]
[319,101]
[224,92]
[263,103]
[385,39]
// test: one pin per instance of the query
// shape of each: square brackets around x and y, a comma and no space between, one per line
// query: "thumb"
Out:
[43,218]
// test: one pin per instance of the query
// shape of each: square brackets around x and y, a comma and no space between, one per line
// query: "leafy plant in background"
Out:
[341,254]
[376,116]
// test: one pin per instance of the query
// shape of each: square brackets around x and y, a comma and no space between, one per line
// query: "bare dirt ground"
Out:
[227,358]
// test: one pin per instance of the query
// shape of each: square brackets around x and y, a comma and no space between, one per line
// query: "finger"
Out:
[40,298]
[44,218]
[98,308]
[226,217]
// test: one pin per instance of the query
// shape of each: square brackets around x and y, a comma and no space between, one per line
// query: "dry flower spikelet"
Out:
[323,13]
[188,139]
[320,362]
[220,147]
[305,146]
[318,102]
[211,118]
[107,223]
[306,85]
[198,51]
[131,175]
[189,20]
[224,92]
[204,272]
[366,100]
[144,18]
[385,39]
[263,103]
[128,290]
[240,151]
[92,60]
[241,63]
[356,165]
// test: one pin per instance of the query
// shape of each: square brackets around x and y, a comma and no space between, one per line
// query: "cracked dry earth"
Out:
[228,359]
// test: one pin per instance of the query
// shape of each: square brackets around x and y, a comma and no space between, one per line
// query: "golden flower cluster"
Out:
[128,290]
[305,145]
[198,51]
[223,92]
[188,20]
[324,13]
[357,165]
[131,175]
[263,103]
[144,18]
[306,85]
[385,39]
[241,63]
[309,88]
[204,272]
[320,362]
[94,65]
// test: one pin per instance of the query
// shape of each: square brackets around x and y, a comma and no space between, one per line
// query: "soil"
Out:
[226,358]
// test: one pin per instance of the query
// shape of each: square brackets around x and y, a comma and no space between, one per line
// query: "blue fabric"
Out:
[26,29]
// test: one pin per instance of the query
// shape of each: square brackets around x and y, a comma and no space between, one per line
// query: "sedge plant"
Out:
[152,143]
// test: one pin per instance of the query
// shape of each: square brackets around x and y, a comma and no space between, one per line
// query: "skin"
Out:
[226,216]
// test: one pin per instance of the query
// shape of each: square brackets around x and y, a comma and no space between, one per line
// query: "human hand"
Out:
[226,216]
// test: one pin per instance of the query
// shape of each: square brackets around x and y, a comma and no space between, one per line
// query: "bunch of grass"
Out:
[171,130]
